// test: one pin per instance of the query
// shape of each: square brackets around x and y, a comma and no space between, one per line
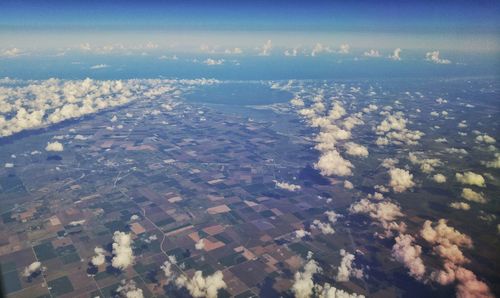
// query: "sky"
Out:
[59,23]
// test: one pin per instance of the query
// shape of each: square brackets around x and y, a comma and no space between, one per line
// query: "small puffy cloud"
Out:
[99,257]
[400,180]
[320,48]
[291,52]
[344,49]
[473,196]
[122,250]
[331,163]
[233,51]
[167,267]
[460,205]
[426,164]
[356,149]
[485,139]
[9,165]
[385,212]
[470,178]
[324,227]
[470,286]
[329,291]
[99,66]
[348,184]
[434,58]
[301,233]
[389,163]
[372,53]
[396,55]
[297,102]
[211,62]
[303,285]
[332,216]
[32,268]
[11,53]
[129,289]
[495,163]
[54,146]
[439,178]
[201,286]
[346,269]
[443,234]
[200,245]
[408,253]
[286,186]
[265,50]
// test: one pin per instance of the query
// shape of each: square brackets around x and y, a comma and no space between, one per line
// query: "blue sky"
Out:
[460,25]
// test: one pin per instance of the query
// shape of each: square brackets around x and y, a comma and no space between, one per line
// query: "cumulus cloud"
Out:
[301,233]
[329,291]
[129,289]
[303,285]
[356,149]
[495,163]
[54,146]
[392,130]
[473,196]
[439,178]
[32,268]
[324,227]
[202,286]
[332,216]
[346,269]
[408,253]
[348,184]
[265,50]
[99,66]
[200,245]
[485,139]
[372,53]
[286,186]
[470,178]
[122,250]
[400,180]
[211,62]
[460,205]
[396,55]
[426,164]
[320,48]
[384,212]
[344,49]
[434,58]
[167,267]
[99,258]
[331,163]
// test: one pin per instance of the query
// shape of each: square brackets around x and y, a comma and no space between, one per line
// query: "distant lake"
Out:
[239,93]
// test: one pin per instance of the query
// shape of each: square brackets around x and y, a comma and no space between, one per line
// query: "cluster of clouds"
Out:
[32,268]
[129,289]
[346,268]
[305,287]
[434,57]
[447,243]
[286,186]
[393,130]
[202,286]
[122,250]
[37,104]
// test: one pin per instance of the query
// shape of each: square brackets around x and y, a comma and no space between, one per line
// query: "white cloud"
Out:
[211,62]
[301,233]
[129,289]
[167,267]
[291,52]
[460,205]
[303,285]
[439,178]
[99,66]
[265,50]
[9,165]
[331,163]
[122,250]
[329,291]
[332,216]
[495,163]
[346,269]
[407,252]
[473,196]
[11,53]
[200,245]
[400,180]
[348,184]
[233,51]
[434,58]
[385,212]
[396,55]
[324,227]
[200,286]
[372,53]
[344,49]
[286,186]
[486,139]
[54,146]
[32,268]
[99,258]
[356,149]
[320,48]
[470,178]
